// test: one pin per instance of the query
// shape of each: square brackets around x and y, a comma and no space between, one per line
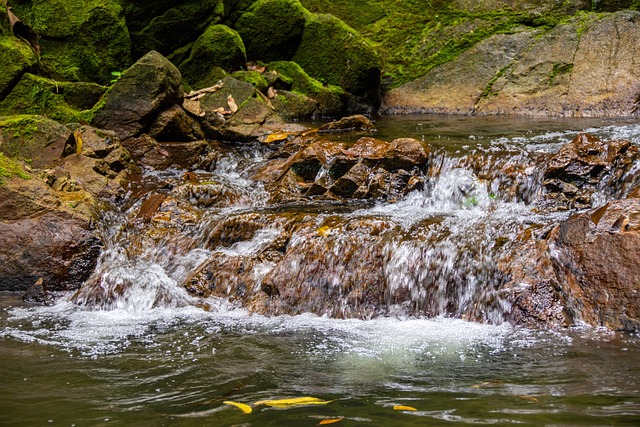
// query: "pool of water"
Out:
[63,365]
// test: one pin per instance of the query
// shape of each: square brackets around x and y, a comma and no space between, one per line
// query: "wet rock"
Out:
[37,293]
[597,263]
[350,123]
[175,125]
[293,106]
[150,85]
[587,166]
[54,246]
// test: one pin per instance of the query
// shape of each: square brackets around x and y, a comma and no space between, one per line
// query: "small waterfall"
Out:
[436,252]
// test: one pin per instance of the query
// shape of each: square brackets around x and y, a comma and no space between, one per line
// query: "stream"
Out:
[152,354]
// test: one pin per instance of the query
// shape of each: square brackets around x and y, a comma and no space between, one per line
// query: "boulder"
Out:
[80,41]
[175,125]
[271,29]
[334,53]
[65,102]
[165,26]
[218,49]
[350,123]
[150,85]
[18,58]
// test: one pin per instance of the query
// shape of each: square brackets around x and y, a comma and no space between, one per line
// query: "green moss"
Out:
[271,29]
[16,58]
[61,101]
[559,69]
[19,126]
[336,54]
[80,40]
[253,77]
[10,168]
[167,26]
[218,48]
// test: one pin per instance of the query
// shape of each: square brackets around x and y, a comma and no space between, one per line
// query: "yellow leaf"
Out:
[296,401]
[244,408]
[275,137]
[78,137]
[529,398]
[323,231]
[330,421]
[404,408]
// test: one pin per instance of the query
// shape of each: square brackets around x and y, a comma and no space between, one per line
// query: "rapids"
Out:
[141,344]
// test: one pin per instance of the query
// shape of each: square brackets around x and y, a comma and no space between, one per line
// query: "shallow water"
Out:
[138,365]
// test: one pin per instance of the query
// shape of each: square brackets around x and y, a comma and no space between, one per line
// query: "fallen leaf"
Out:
[232,104]
[244,408]
[275,137]
[404,408]
[529,398]
[77,135]
[324,230]
[296,401]
[330,421]
[271,92]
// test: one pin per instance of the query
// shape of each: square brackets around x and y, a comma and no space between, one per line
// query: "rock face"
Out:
[585,271]
[151,84]
[579,69]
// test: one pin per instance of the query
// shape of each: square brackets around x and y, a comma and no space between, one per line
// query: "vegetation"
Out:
[10,168]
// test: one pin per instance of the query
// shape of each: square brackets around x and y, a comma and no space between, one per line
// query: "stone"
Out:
[350,123]
[18,58]
[271,29]
[79,40]
[175,125]
[150,85]
[334,53]
[37,293]
[218,48]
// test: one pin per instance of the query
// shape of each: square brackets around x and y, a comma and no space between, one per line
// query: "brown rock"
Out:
[350,123]
[175,125]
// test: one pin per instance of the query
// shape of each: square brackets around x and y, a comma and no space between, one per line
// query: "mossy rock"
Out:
[218,48]
[271,29]
[164,26]
[16,58]
[4,21]
[36,140]
[330,99]
[293,105]
[10,168]
[334,53]
[80,40]
[233,9]
[62,101]
[239,90]
[255,78]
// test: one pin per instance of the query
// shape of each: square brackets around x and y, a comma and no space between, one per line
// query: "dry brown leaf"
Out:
[232,104]
[271,92]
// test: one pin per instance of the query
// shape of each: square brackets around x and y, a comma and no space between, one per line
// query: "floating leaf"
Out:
[275,137]
[529,398]
[244,408]
[330,421]
[295,401]
[404,408]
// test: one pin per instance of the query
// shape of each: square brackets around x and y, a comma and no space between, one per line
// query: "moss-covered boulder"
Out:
[16,58]
[336,54]
[255,78]
[217,50]
[62,101]
[331,100]
[80,40]
[271,29]
[165,26]
[150,85]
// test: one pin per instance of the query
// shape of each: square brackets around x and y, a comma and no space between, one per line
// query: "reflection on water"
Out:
[175,365]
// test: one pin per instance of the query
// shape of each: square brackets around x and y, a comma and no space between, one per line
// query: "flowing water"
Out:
[155,355]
